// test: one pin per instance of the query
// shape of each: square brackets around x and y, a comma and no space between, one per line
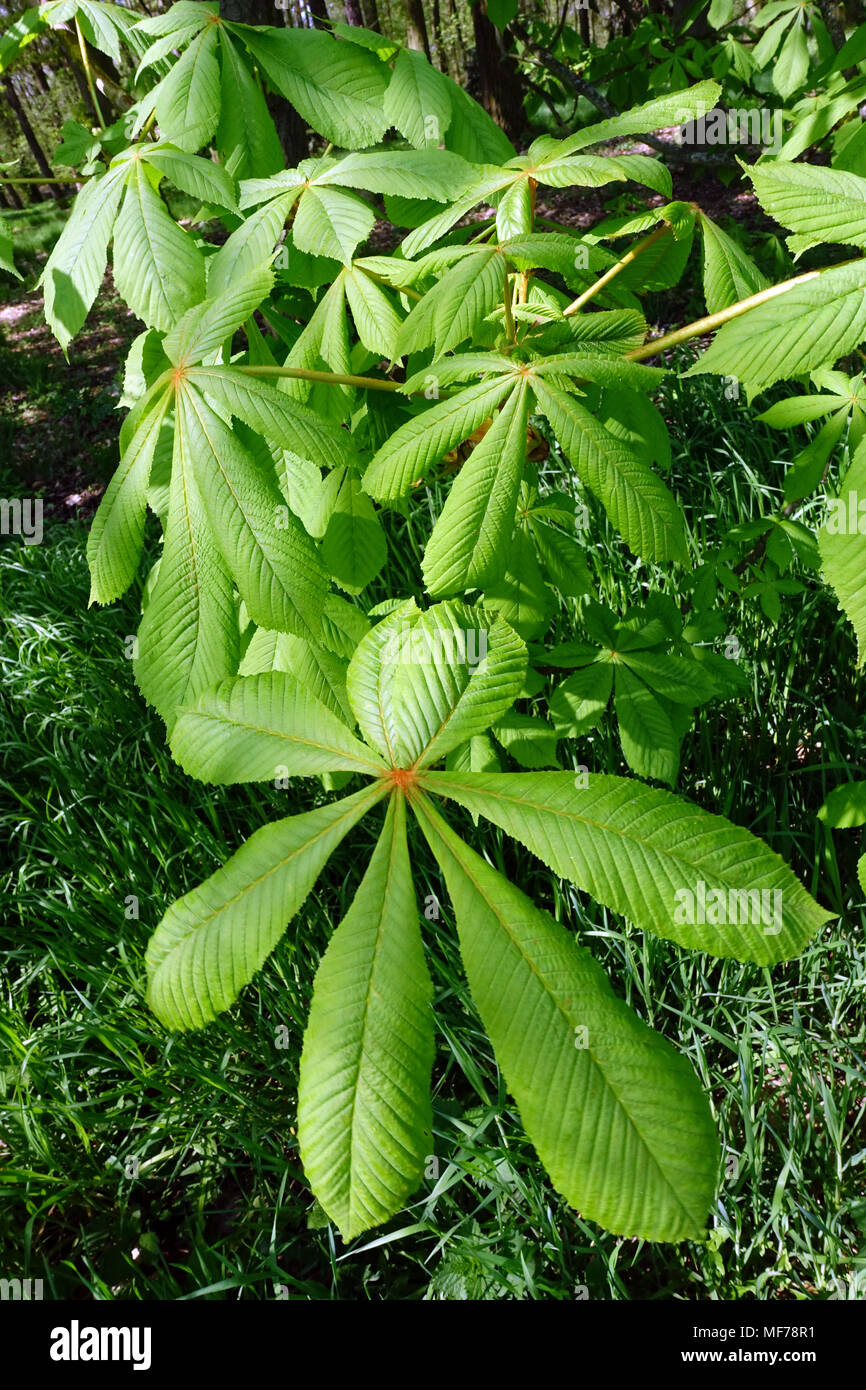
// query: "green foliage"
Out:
[266,423]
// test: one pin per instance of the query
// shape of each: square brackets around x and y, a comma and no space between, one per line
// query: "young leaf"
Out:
[364,1114]
[211,942]
[618,1118]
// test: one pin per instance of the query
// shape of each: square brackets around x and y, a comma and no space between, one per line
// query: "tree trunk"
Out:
[290,128]
[416,28]
[354,14]
[498,80]
[30,136]
[371,15]
[318,13]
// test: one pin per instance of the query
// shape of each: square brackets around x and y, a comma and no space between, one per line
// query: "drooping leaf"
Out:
[76,266]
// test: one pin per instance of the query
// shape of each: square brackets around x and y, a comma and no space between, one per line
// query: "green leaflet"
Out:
[429,174]
[729,273]
[818,204]
[650,742]
[322,672]
[158,268]
[116,534]
[188,99]
[188,637]
[337,87]
[200,178]
[676,108]
[251,245]
[246,728]
[453,308]
[453,672]
[353,546]
[617,1117]
[77,263]
[375,317]
[639,504]
[521,596]
[276,416]
[204,328]
[845,806]
[468,544]
[412,450]
[211,942]
[652,856]
[842,542]
[331,222]
[420,684]
[578,703]
[811,325]
[364,1113]
[417,101]
[246,135]
[268,553]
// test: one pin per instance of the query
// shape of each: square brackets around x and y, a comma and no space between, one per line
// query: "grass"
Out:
[140,1166]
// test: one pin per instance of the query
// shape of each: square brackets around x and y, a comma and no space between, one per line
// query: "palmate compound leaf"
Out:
[248,727]
[268,553]
[468,544]
[617,1116]
[364,1112]
[211,942]
[638,502]
[664,863]
[420,684]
